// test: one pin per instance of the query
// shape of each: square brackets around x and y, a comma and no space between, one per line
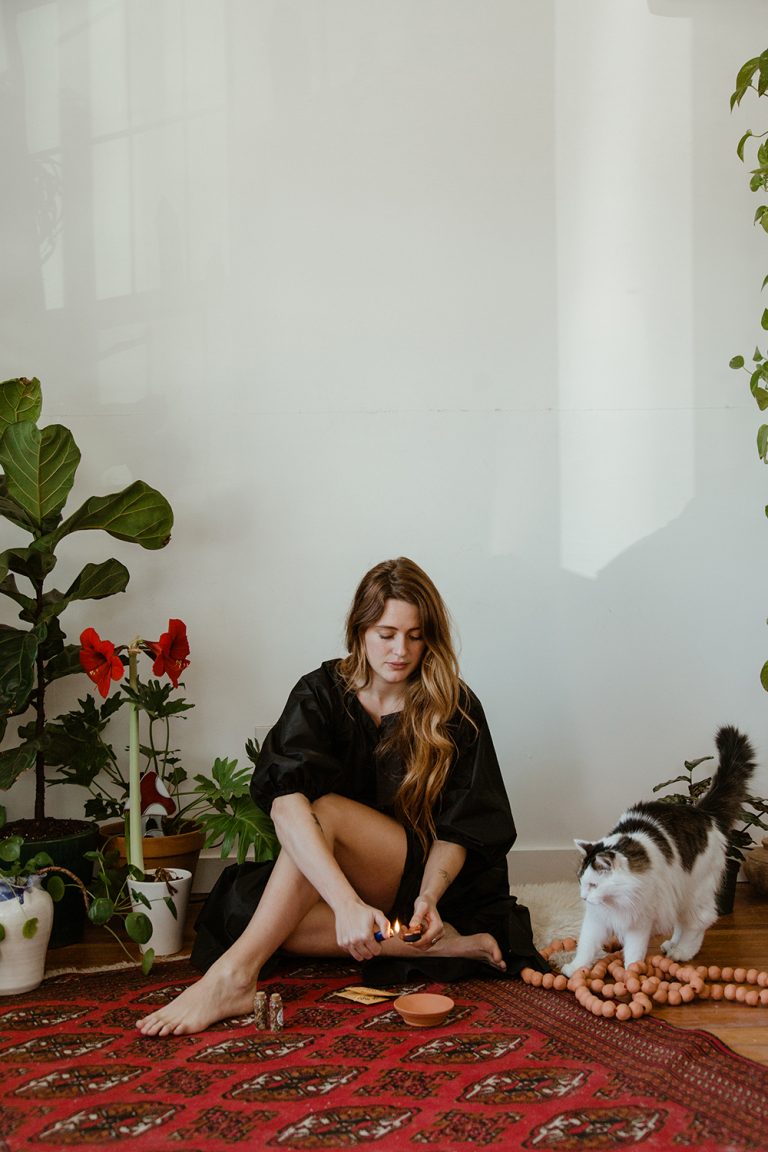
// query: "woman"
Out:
[387,799]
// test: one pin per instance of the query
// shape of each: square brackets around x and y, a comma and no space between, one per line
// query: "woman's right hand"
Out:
[356,924]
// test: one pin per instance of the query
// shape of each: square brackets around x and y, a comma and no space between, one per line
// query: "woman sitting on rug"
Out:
[387,799]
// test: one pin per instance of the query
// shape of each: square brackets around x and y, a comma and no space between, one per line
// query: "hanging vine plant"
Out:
[753,77]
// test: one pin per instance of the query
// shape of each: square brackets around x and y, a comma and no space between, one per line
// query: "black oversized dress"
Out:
[324,742]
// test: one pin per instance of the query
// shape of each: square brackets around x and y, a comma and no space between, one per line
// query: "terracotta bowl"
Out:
[423,1009]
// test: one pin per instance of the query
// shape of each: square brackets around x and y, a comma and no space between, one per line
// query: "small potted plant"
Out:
[180,815]
[753,815]
[38,466]
[26,916]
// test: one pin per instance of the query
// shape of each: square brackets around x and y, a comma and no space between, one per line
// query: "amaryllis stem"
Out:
[134,849]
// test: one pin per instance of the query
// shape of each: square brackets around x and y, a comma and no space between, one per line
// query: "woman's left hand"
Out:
[426,915]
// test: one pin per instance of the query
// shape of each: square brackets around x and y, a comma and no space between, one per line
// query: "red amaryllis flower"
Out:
[98,659]
[171,651]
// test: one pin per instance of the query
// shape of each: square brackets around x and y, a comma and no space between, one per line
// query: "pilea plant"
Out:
[753,77]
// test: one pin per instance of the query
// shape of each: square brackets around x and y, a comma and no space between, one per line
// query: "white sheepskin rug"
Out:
[556,910]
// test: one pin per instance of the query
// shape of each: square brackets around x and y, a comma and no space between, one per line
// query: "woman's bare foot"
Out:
[482,946]
[222,992]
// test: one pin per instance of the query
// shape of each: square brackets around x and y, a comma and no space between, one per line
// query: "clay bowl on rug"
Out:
[423,1009]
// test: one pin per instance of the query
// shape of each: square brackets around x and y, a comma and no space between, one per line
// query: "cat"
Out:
[660,868]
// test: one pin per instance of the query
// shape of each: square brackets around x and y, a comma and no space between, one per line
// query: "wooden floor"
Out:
[739,940]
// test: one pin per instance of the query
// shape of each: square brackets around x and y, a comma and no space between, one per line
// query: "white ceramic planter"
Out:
[26,915]
[167,931]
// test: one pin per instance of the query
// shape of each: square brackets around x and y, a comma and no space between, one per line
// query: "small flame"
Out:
[396,927]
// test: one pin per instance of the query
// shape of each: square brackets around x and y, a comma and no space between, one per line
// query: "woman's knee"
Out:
[329,812]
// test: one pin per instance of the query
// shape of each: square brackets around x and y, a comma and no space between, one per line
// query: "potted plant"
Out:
[183,815]
[753,814]
[38,471]
[26,909]
[26,916]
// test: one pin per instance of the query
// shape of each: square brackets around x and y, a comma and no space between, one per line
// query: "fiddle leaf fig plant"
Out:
[753,77]
[39,466]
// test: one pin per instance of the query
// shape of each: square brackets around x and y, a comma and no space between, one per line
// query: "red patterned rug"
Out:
[513,1067]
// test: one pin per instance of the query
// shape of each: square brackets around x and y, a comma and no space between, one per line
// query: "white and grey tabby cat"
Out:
[660,868]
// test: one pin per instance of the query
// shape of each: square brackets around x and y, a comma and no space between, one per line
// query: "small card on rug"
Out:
[366,995]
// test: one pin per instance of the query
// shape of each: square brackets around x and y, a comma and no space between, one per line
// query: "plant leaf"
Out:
[40,467]
[20,399]
[97,581]
[736,362]
[138,514]
[18,652]
[138,926]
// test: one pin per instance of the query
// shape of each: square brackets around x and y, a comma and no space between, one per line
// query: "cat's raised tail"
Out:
[729,788]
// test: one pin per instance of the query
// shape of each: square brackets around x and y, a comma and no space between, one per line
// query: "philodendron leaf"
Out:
[762,442]
[2,933]
[20,399]
[736,362]
[30,928]
[147,961]
[40,467]
[764,673]
[18,651]
[138,514]
[96,581]
[741,143]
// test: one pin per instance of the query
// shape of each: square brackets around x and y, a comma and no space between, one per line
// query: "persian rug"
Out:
[513,1067]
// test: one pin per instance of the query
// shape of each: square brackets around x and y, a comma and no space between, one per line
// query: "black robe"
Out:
[324,742]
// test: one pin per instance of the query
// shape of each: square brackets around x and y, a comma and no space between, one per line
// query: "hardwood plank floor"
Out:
[739,939]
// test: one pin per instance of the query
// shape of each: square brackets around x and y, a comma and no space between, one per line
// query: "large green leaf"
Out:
[138,514]
[97,581]
[14,761]
[34,563]
[40,467]
[20,399]
[17,667]
[64,663]
[12,510]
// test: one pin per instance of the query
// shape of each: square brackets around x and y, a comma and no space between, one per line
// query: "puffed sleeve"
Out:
[300,754]
[474,810]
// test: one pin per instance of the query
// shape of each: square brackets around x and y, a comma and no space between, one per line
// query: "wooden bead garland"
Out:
[611,990]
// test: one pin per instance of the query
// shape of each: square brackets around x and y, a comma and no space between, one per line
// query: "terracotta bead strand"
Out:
[611,990]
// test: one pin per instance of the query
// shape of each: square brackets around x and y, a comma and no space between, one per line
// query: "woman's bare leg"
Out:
[370,849]
[357,835]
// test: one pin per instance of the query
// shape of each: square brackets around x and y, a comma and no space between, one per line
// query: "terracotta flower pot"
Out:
[180,850]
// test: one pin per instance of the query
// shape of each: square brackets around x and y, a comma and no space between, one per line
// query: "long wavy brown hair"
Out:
[433,695]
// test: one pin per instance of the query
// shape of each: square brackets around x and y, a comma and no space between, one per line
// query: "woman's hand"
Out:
[356,924]
[426,915]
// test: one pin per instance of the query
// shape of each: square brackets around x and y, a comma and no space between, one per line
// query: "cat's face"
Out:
[606,876]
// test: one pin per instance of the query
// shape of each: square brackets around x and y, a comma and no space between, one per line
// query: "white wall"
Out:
[347,279]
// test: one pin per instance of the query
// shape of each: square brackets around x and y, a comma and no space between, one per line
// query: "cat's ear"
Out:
[583,846]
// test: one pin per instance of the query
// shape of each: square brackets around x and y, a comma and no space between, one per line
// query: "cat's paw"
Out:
[677,952]
[569,970]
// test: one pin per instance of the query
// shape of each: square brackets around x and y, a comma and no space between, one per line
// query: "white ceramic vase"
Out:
[26,916]
[167,930]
